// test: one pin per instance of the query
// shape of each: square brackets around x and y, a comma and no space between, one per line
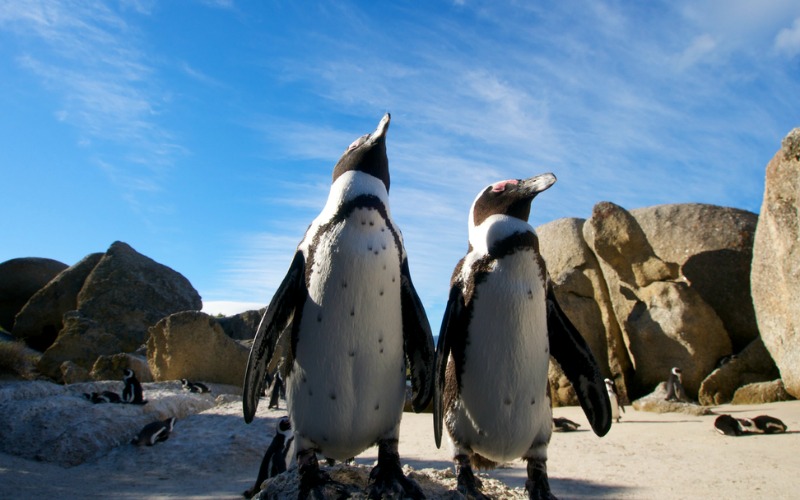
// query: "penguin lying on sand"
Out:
[501,324]
[132,392]
[274,461]
[198,387]
[355,320]
[762,424]
[154,432]
[103,397]
[561,424]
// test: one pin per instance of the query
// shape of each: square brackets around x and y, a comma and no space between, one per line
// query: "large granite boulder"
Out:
[192,345]
[713,246]
[759,393]
[241,326]
[775,277]
[19,280]
[581,291]
[124,295]
[752,365]
[39,322]
[112,367]
[664,322]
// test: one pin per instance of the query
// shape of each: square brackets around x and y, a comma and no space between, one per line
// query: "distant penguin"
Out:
[562,424]
[728,425]
[356,324]
[613,397]
[198,387]
[103,397]
[274,461]
[154,432]
[675,391]
[501,324]
[275,392]
[132,392]
[768,425]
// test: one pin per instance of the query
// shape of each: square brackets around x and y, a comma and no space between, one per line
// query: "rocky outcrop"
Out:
[241,326]
[656,402]
[39,322]
[19,280]
[123,295]
[775,277]
[761,392]
[753,364]
[193,345]
[112,367]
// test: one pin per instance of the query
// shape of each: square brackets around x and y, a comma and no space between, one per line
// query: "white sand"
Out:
[647,456]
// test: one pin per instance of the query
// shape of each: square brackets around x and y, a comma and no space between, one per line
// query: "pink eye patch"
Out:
[498,187]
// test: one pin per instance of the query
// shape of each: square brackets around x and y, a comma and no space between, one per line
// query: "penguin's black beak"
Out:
[383,126]
[534,185]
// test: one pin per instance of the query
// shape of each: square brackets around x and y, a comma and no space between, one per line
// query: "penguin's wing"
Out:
[417,341]
[451,332]
[569,348]
[286,302]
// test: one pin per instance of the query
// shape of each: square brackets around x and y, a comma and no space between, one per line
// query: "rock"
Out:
[582,293]
[656,402]
[16,359]
[19,280]
[73,374]
[122,297]
[111,367]
[753,364]
[39,322]
[664,322]
[761,392]
[192,345]
[713,246]
[241,326]
[561,391]
[775,278]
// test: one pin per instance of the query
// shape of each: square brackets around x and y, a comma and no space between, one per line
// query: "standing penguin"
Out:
[274,461]
[354,318]
[675,391]
[613,397]
[501,324]
[132,392]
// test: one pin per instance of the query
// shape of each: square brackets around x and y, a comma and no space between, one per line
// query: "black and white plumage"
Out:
[132,392]
[762,424]
[274,461]
[501,324]
[675,390]
[768,425]
[354,319]
[561,424]
[197,387]
[613,397]
[103,397]
[154,432]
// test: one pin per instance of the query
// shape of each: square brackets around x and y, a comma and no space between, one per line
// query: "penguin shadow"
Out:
[579,488]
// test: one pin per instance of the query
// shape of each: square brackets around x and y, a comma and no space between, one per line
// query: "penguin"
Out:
[103,397]
[616,406]
[675,391]
[768,425]
[501,324]
[197,387]
[274,461]
[132,392]
[728,425]
[275,392]
[355,322]
[561,424]
[154,432]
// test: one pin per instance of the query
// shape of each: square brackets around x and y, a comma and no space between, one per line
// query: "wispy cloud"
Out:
[788,39]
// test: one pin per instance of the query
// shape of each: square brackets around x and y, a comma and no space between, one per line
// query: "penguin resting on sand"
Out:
[154,432]
[501,324]
[354,320]
[274,461]
[197,387]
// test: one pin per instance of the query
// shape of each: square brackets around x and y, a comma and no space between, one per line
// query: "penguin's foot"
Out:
[387,479]
[469,484]
[315,483]
[537,484]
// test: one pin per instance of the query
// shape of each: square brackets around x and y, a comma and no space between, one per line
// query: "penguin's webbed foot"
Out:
[386,480]
[468,484]
[315,483]
[537,485]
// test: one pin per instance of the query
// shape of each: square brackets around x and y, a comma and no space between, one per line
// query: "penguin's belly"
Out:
[504,408]
[347,385]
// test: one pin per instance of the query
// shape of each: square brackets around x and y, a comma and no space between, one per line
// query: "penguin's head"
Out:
[676,371]
[284,425]
[511,197]
[127,373]
[367,154]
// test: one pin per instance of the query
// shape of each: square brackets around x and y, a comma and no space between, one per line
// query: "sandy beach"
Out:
[214,454]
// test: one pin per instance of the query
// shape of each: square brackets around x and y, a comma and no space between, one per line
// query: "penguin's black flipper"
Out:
[286,304]
[451,339]
[569,348]
[417,341]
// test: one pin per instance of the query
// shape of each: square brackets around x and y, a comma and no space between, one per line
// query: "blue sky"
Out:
[203,133]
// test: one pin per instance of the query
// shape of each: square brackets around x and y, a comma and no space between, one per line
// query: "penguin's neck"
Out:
[497,229]
[349,186]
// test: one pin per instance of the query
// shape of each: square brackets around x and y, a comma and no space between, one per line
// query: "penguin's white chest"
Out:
[347,386]
[503,405]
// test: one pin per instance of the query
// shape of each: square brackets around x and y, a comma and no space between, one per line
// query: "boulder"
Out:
[111,367]
[72,373]
[753,364]
[775,277]
[656,402]
[663,321]
[241,326]
[713,246]
[39,322]
[192,345]
[761,392]
[19,280]
[582,293]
